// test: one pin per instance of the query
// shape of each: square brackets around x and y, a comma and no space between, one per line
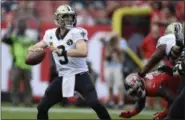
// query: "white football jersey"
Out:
[168,40]
[74,65]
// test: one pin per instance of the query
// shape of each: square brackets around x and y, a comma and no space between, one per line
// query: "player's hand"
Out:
[159,116]
[179,68]
[179,36]
[32,49]
[56,50]
[127,114]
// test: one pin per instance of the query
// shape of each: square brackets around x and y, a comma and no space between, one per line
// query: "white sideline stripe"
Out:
[65,110]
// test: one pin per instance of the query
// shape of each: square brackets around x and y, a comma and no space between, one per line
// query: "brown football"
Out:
[35,58]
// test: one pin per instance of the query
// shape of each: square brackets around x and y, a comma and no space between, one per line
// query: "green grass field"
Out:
[22,113]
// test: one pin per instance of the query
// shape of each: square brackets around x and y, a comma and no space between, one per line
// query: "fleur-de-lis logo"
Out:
[83,34]
[69,42]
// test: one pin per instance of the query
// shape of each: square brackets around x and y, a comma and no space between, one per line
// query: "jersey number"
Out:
[65,61]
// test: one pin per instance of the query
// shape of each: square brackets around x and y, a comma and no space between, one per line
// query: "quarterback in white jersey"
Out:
[68,44]
[67,66]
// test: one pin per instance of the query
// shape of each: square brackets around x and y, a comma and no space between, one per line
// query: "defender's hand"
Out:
[127,114]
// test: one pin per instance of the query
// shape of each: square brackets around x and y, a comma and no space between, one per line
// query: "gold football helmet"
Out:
[170,29]
[65,17]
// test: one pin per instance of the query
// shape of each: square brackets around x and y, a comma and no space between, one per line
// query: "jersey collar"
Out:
[60,37]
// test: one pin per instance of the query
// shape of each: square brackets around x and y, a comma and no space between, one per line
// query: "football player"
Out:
[155,84]
[176,110]
[68,44]
[171,83]
[167,46]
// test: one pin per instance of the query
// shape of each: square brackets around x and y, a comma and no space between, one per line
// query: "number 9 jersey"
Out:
[65,65]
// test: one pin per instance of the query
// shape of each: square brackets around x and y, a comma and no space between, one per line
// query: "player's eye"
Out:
[67,16]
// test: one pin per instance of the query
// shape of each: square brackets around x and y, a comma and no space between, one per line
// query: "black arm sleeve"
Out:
[7,39]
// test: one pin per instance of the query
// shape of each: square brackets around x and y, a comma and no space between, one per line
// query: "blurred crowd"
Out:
[89,12]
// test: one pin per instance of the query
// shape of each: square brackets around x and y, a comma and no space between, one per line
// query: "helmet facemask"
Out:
[65,17]
[132,92]
[136,92]
[135,87]
[67,21]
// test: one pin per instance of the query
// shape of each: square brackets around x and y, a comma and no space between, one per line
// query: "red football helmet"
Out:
[135,86]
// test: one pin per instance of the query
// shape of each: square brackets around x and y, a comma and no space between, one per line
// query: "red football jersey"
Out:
[154,80]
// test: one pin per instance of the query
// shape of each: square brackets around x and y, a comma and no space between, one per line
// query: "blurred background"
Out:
[122,37]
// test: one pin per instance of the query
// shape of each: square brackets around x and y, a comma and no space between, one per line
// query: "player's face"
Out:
[133,92]
[68,19]
[65,20]
[137,93]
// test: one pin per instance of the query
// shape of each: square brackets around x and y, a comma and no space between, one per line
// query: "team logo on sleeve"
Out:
[69,42]
[82,33]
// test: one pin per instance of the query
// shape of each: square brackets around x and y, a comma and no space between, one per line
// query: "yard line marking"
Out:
[66,110]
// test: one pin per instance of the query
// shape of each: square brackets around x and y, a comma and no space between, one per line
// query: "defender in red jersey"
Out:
[154,84]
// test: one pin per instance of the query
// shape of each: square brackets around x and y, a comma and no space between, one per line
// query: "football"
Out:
[35,58]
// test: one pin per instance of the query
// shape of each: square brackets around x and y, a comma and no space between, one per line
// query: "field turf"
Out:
[26,113]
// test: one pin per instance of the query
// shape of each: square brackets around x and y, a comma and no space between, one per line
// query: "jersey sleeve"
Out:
[168,40]
[46,37]
[80,34]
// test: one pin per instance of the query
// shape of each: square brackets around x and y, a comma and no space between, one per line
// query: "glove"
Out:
[159,115]
[166,69]
[179,36]
[182,56]
[127,114]
[179,68]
